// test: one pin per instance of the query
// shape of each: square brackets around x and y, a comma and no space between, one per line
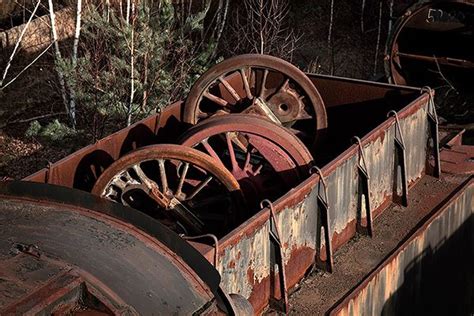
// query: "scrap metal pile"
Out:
[242,189]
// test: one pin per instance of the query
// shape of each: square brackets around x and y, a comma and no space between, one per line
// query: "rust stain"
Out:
[380,285]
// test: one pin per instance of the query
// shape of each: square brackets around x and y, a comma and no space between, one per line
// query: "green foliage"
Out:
[168,56]
[33,130]
[55,132]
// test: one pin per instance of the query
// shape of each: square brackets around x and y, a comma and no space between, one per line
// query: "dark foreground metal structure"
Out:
[64,251]
[380,141]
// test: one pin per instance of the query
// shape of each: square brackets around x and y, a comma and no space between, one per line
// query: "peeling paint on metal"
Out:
[376,294]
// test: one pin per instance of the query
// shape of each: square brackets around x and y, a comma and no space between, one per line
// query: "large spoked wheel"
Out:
[186,190]
[266,159]
[263,85]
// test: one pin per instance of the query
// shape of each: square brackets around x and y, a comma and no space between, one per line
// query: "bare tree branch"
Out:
[18,43]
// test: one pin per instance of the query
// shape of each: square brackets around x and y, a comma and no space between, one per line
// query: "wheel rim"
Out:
[185,189]
[265,158]
[262,85]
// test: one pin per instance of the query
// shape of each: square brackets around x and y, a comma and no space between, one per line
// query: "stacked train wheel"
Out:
[262,85]
[254,118]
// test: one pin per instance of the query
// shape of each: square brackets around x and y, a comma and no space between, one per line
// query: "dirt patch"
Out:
[19,158]
[353,261]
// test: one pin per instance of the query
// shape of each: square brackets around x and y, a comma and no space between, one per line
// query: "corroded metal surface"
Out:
[67,232]
[265,158]
[185,189]
[417,277]
[245,255]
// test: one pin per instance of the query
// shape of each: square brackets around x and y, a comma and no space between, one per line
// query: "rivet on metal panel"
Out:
[323,222]
[400,157]
[282,304]
[364,188]
[433,122]
[213,237]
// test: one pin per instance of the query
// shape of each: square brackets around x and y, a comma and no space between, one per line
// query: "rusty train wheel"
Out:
[263,85]
[186,190]
[265,158]
[429,42]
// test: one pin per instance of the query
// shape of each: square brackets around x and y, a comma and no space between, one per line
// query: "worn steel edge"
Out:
[373,292]
[244,254]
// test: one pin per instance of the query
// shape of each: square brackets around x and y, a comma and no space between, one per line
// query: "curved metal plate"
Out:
[81,230]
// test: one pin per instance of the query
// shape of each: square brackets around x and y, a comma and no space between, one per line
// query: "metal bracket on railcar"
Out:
[211,236]
[282,303]
[433,122]
[364,188]
[400,157]
[323,222]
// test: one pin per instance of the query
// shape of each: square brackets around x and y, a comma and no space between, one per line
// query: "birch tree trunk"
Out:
[132,67]
[57,52]
[72,93]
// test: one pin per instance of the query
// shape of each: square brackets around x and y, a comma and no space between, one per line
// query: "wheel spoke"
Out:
[229,88]
[284,86]
[210,150]
[164,180]
[215,99]
[230,146]
[119,183]
[259,168]
[182,178]
[93,169]
[246,83]
[247,160]
[264,82]
[144,178]
[202,115]
[199,187]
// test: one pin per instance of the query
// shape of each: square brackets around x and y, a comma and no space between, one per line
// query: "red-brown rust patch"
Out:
[231,264]
[260,292]
[300,261]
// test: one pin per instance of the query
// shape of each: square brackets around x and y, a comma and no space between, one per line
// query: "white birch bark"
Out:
[72,93]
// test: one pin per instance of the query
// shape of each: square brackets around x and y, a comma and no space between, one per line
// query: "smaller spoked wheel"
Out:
[265,158]
[188,191]
[262,85]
